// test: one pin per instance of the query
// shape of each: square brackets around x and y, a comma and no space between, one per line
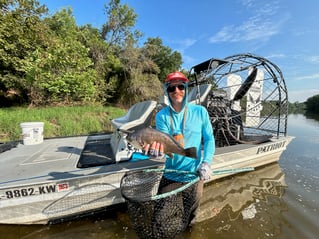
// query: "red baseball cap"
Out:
[178,76]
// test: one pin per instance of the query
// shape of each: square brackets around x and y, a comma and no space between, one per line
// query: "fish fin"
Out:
[191,152]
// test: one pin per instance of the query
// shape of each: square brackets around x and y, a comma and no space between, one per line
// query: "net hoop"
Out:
[194,178]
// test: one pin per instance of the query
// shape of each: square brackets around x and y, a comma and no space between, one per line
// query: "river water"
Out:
[280,200]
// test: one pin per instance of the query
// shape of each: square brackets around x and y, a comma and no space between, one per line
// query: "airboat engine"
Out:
[226,122]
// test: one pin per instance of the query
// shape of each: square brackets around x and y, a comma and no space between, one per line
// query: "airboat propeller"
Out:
[248,111]
[246,85]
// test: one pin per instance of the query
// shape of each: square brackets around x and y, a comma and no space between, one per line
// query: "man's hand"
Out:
[154,150]
[205,171]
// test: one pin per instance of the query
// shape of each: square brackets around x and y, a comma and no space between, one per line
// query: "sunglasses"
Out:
[172,88]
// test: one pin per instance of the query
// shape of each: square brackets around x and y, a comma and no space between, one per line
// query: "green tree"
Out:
[91,38]
[119,26]
[141,81]
[296,107]
[123,61]
[164,57]
[312,104]
[61,72]
[50,60]
[21,31]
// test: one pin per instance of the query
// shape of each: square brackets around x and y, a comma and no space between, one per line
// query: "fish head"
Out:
[130,137]
[135,140]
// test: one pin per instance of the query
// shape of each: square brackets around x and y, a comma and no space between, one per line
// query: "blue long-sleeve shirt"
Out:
[197,132]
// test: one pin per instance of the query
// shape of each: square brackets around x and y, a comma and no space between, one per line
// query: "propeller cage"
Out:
[248,102]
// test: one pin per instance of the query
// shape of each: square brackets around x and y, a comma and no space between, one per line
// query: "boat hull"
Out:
[67,191]
[244,155]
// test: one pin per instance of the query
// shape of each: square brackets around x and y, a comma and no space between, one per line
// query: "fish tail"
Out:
[191,152]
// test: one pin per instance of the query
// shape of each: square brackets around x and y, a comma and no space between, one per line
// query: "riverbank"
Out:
[59,120]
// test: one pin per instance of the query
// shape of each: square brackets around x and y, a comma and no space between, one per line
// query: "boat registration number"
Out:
[33,191]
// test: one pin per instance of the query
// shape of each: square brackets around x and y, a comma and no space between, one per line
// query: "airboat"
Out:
[65,178]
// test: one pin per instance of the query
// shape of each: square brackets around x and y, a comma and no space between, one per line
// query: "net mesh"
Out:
[160,203]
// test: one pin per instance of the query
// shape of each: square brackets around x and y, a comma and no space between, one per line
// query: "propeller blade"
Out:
[246,85]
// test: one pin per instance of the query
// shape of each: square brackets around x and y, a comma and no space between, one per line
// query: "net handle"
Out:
[188,184]
[169,171]
[163,195]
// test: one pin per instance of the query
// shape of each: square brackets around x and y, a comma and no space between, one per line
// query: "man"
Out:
[190,125]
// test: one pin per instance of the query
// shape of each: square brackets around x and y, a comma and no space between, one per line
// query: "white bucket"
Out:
[32,132]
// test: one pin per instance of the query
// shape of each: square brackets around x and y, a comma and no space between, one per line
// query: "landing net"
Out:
[155,213]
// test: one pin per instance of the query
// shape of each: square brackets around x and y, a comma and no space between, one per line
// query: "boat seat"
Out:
[200,97]
[138,116]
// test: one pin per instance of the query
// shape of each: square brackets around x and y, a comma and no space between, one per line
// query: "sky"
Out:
[286,32]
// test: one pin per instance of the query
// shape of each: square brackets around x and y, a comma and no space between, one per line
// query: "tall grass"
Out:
[58,121]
